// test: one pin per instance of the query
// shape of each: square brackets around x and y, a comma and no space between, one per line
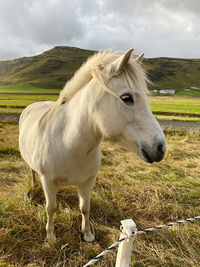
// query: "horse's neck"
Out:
[80,133]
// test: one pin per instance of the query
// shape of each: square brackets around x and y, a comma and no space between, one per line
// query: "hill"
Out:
[176,73]
[48,70]
[54,67]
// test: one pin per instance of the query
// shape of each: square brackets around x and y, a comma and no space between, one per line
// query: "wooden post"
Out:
[124,250]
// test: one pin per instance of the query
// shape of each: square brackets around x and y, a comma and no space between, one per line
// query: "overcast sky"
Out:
[156,27]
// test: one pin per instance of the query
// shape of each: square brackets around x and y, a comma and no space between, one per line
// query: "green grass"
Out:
[25,88]
[28,97]
[12,103]
[24,100]
[170,104]
[126,188]
[180,108]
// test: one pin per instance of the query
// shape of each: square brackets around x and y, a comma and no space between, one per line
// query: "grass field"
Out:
[182,108]
[126,188]
[11,110]
[24,100]
[175,104]
[175,118]
[158,104]
[24,88]
[177,107]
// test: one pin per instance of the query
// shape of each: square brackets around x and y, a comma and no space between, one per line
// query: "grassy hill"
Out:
[174,73]
[48,70]
[55,66]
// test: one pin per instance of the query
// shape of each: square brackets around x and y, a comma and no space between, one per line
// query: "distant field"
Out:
[11,110]
[24,88]
[174,107]
[175,104]
[24,100]
[177,118]
[12,103]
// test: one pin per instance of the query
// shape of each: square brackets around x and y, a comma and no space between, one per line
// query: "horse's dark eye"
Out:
[127,99]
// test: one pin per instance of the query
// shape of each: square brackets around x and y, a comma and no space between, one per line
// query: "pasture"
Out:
[126,188]
[25,88]
[183,108]
[176,104]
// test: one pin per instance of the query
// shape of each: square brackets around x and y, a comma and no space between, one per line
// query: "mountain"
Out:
[175,73]
[54,67]
[48,70]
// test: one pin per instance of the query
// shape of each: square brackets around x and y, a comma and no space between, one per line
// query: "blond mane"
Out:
[96,67]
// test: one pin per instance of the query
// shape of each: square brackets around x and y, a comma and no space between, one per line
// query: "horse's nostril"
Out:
[147,157]
[161,148]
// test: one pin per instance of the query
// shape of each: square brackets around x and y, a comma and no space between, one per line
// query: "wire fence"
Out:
[156,228]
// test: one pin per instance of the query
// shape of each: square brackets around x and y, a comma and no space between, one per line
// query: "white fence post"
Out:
[124,250]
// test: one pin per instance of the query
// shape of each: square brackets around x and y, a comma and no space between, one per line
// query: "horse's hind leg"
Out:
[34,180]
[84,198]
[50,191]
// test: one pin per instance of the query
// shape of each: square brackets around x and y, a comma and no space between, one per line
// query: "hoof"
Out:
[89,237]
[51,239]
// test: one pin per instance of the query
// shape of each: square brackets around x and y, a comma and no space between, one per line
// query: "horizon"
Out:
[87,49]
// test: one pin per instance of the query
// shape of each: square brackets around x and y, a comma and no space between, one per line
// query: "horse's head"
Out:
[123,113]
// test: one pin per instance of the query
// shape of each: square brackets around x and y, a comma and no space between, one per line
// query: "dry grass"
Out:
[126,188]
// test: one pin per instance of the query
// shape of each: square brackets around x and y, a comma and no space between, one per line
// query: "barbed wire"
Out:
[116,244]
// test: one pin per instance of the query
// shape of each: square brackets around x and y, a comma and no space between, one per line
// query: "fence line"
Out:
[117,243]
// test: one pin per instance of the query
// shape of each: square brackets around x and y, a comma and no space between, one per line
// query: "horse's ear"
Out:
[140,58]
[124,59]
[119,63]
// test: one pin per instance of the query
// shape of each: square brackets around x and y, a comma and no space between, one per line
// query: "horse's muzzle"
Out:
[155,153]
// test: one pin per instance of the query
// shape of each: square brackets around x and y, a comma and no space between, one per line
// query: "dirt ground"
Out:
[180,124]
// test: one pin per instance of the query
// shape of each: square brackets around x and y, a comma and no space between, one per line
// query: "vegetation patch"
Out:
[150,194]
[175,105]
[4,150]
[177,118]
[25,88]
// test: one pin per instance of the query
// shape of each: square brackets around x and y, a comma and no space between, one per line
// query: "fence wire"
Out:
[116,244]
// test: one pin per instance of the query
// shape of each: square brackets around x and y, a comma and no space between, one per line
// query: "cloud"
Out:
[157,27]
[28,27]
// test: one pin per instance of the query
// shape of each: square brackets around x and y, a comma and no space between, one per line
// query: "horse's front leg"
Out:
[84,199]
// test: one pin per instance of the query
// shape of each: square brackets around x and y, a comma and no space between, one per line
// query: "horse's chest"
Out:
[73,171]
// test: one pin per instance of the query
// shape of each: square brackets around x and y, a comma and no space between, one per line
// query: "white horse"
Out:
[106,98]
